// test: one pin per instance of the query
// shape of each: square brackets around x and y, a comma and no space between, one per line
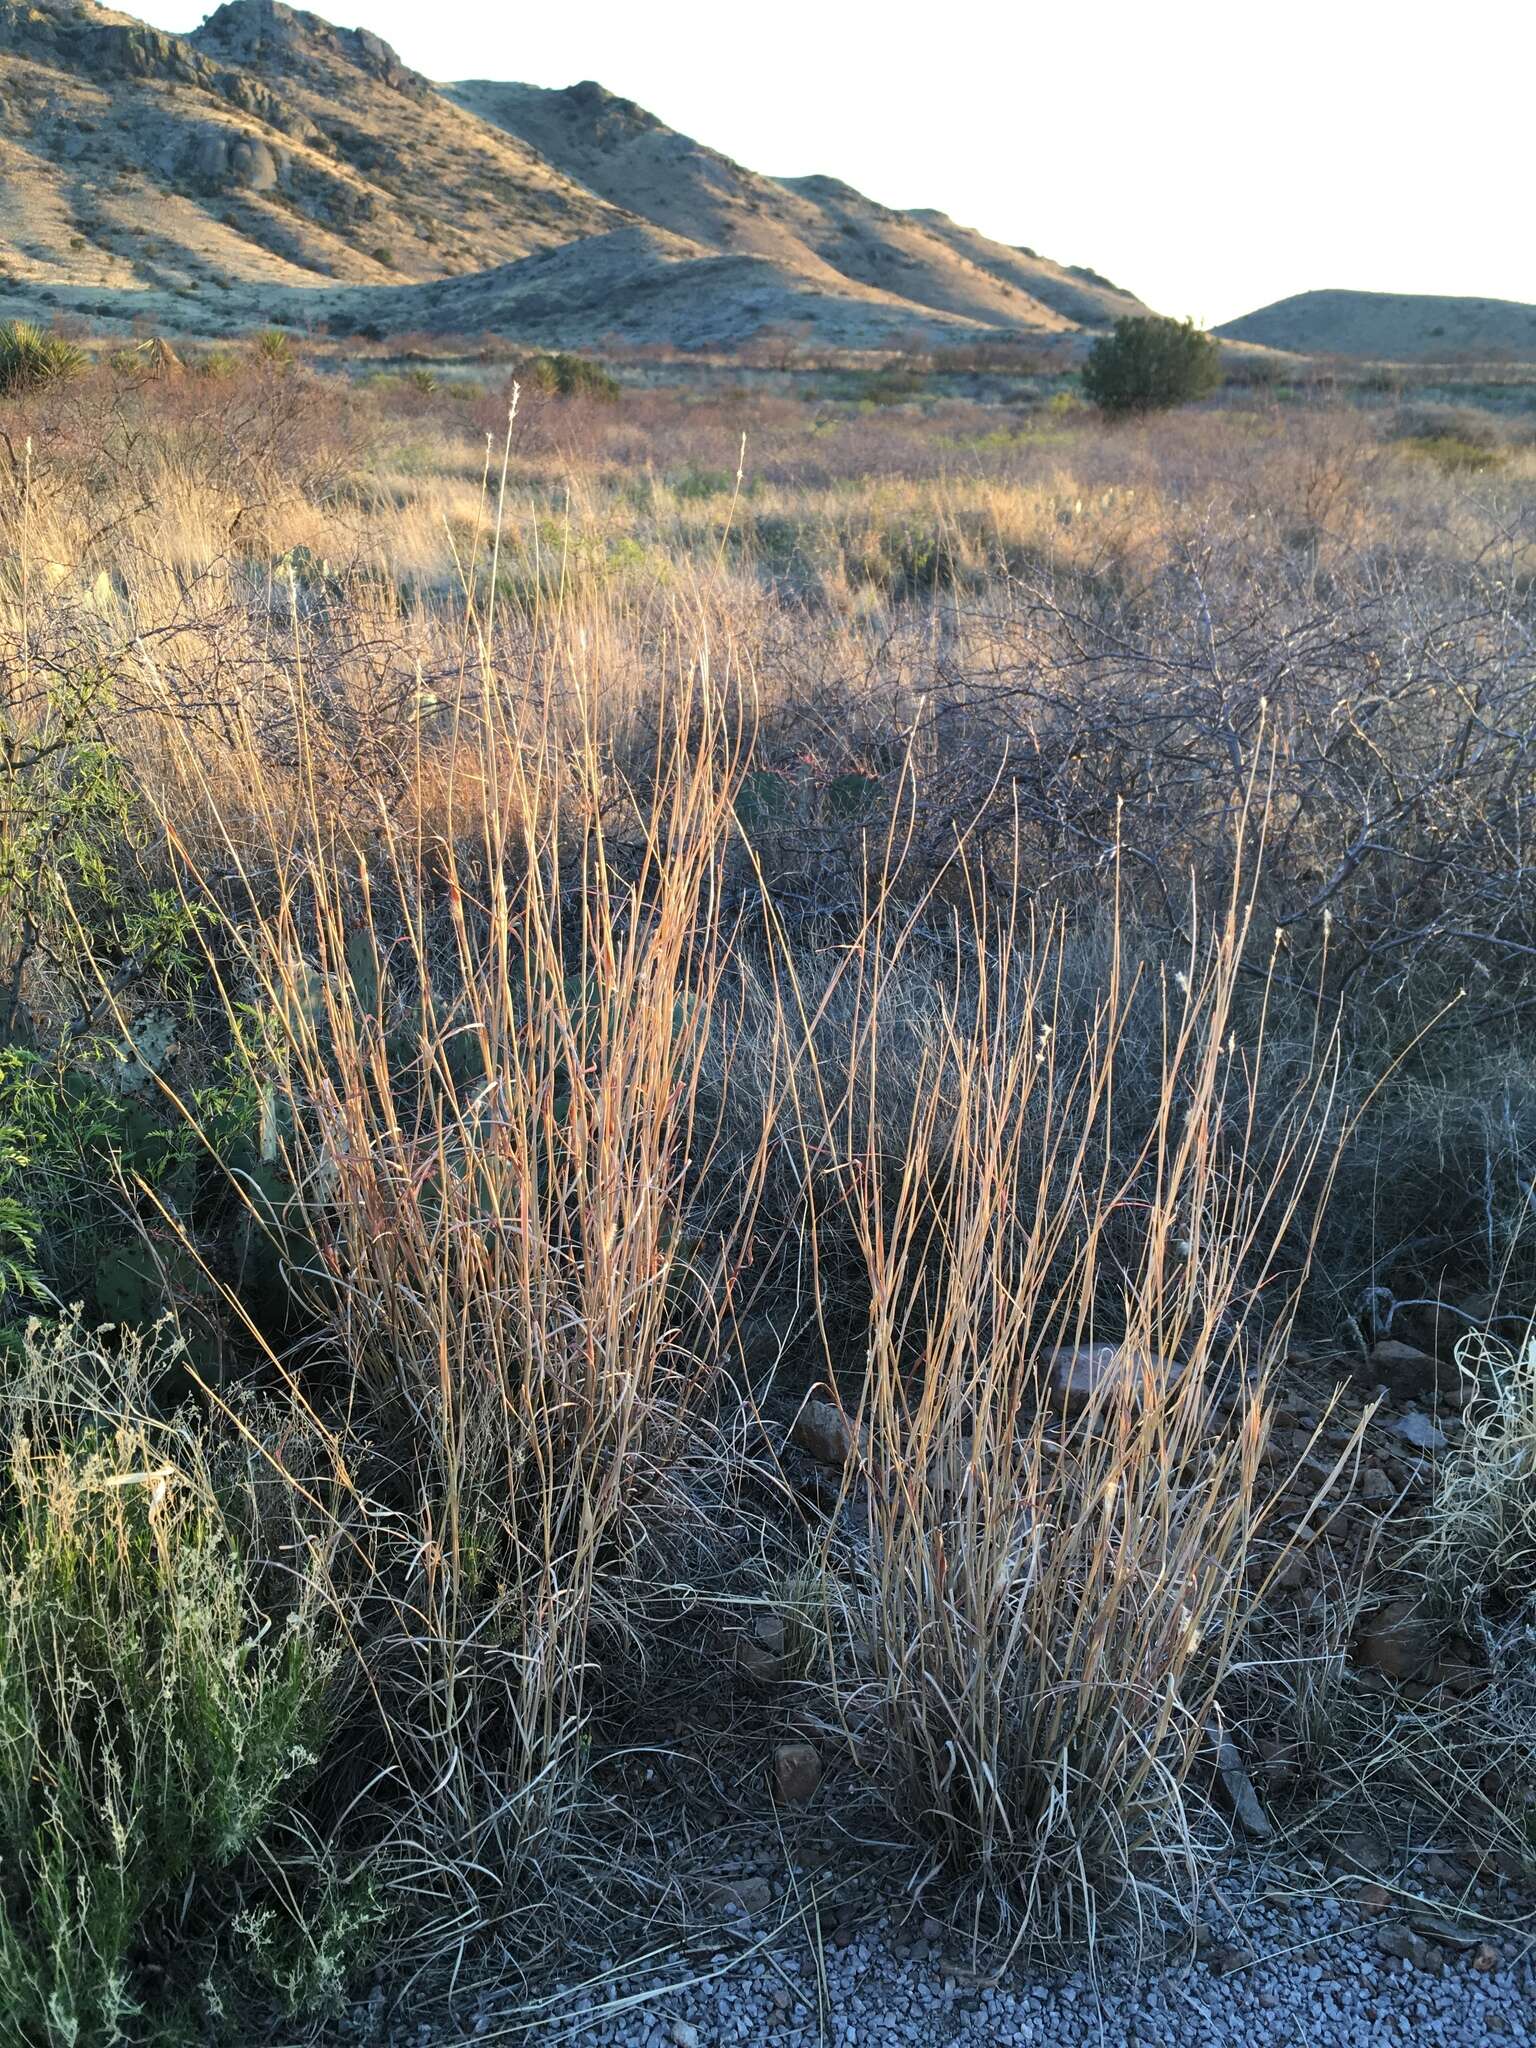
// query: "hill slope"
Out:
[267,147]
[270,165]
[829,234]
[1393,327]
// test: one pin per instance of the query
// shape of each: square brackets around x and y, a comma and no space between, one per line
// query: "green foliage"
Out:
[74,897]
[1455,454]
[695,483]
[893,385]
[158,1714]
[114,1196]
[559,375]
[1150,363]
[768,802]
[29,358]
[273,348]
[18,1221]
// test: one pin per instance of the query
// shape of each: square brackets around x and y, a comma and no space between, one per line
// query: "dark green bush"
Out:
[560,375]
[1149,363]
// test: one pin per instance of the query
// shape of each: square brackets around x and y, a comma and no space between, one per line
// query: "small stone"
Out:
[684,2035]
[1398,1641]
[1417,1429]
[1398,1940]
[750,1896]
[1360,1851]
[1083,1374]
[1246,1807]
[821,1430]
[1376,1487]
[796,1772]
[760,1653]
[1292,1574]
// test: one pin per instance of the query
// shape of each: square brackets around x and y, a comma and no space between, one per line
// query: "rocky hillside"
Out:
[1403,327]
[270,166]
[825,233]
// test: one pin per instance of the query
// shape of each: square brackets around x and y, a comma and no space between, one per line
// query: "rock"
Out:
[1398,1940]
[750,1896]
[1292,1575]
[1448,1933]
[1399,1641]
[796,1772]
[821,1430]
[227,160]
[1247,1809]
[1084,1374]
[760,1652]
[1417,1429]
[684,2035]
[1361,1851]
[1376,1487]
[1391,1357]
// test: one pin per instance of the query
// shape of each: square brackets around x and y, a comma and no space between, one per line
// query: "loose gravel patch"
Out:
[1314,1975]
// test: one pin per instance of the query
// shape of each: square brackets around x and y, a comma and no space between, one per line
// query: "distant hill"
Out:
[1393,327]
[270,165]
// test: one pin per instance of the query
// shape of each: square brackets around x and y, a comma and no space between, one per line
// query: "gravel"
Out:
[1308,1975]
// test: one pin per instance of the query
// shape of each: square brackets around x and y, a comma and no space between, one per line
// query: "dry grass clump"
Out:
[1033,1626]
[1480,1548]
[480,1040]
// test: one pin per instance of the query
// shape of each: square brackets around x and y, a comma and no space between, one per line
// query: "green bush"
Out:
[1149,363]
[30,358]
[159,1707]
[559,375]
[274,348]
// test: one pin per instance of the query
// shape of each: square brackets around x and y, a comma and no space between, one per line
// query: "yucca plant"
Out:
[30,358]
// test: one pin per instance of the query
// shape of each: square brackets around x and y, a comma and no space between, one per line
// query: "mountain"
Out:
[270,165]
[830,235]
[1393,327]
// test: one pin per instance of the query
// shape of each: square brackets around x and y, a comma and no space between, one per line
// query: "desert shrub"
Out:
[75,889]
[1464,423]
[1149,363]
[273,348]
[561,375]
[895,384]
[1455,438]
[158,1715]
[29,358]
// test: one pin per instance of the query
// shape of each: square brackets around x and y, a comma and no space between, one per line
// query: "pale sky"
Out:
[1211,155]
